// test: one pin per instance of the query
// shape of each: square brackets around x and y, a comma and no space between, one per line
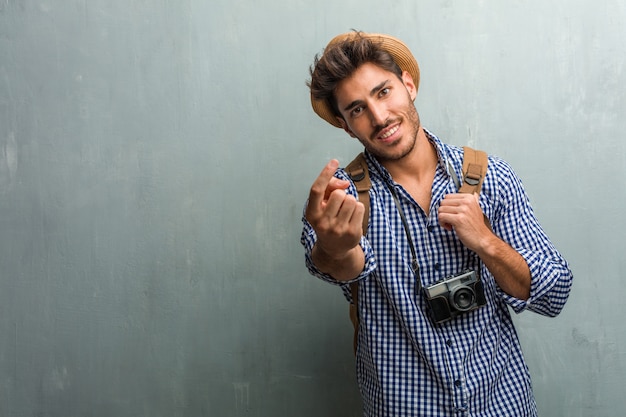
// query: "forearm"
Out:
[507,266]
[343,267]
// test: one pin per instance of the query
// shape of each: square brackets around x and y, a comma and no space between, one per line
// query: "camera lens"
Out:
[463,298]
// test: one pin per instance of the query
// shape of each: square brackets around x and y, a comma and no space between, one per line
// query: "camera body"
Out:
[454,295]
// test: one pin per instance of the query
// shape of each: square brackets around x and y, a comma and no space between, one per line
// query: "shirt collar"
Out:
[442,158]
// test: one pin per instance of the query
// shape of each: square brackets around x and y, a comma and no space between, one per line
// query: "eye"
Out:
[356,111]
[384,91]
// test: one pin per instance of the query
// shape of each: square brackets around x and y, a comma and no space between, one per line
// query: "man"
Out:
[409,363]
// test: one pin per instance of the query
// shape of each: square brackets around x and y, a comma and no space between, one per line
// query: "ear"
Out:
[345,127]
[407,80]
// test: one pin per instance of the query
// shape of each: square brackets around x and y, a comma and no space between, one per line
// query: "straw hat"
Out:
[396,48]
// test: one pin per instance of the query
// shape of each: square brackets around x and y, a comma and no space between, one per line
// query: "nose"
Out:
[378,114]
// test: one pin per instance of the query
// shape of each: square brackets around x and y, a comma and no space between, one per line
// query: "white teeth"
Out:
[390,132]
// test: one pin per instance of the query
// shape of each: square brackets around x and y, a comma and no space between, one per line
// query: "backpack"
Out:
[474,171]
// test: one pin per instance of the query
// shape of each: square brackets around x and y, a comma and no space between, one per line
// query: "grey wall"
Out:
[155,156]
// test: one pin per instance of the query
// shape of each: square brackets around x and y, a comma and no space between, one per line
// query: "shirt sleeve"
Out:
[514,221]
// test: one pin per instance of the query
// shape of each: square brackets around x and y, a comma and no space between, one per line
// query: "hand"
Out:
[335,216]
[462,213]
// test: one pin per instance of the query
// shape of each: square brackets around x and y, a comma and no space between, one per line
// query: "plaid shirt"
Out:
[471,365]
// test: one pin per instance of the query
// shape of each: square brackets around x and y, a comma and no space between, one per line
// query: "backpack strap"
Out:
[359,173]
[474,170]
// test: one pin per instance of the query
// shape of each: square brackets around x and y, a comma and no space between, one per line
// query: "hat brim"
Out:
[396,48]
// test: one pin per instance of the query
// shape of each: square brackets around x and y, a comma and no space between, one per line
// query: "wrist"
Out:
[331,255]
[342,266]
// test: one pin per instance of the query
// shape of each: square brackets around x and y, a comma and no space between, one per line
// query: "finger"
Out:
[445,218]
[447,226]
[449,205]
[454,198]
[339,205]
[318,189]
[335,184]
[344,207]
[348,218]
[357,216]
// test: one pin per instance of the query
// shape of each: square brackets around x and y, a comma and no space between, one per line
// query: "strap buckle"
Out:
[357,175]
[472,180]
[473,175]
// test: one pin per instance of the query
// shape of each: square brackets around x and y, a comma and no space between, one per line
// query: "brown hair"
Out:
[340,60]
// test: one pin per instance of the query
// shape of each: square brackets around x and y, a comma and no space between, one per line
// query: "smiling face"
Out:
[377,109]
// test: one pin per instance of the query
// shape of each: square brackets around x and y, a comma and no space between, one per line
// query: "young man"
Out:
[414,359]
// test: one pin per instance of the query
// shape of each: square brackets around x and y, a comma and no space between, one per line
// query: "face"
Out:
[378,110]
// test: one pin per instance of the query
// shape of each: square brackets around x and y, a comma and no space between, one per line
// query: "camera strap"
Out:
[414,265]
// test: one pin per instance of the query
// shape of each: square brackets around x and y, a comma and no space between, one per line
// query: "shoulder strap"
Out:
[474,170]
[359,173]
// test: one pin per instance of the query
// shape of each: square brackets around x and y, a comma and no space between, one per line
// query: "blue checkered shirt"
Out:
[469,366]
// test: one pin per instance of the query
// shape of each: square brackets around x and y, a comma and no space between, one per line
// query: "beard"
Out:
[404,145]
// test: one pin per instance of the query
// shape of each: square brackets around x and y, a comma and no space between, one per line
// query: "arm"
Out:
[544,275]
[336,218]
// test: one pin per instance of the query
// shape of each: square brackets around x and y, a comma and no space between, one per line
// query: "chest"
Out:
[422,194]
[420,189]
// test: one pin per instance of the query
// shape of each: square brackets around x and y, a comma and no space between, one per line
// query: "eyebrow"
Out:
[372,92]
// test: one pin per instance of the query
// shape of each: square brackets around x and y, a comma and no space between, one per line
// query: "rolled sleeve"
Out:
[551,280]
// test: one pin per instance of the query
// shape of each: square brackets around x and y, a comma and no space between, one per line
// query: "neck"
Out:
[416,171]
[418,165]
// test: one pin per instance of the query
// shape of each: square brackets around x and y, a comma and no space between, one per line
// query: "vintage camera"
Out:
[455,295]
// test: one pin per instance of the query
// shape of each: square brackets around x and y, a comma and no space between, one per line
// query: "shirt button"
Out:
[458,383]
[449,343]
[437,266]
[431,228]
